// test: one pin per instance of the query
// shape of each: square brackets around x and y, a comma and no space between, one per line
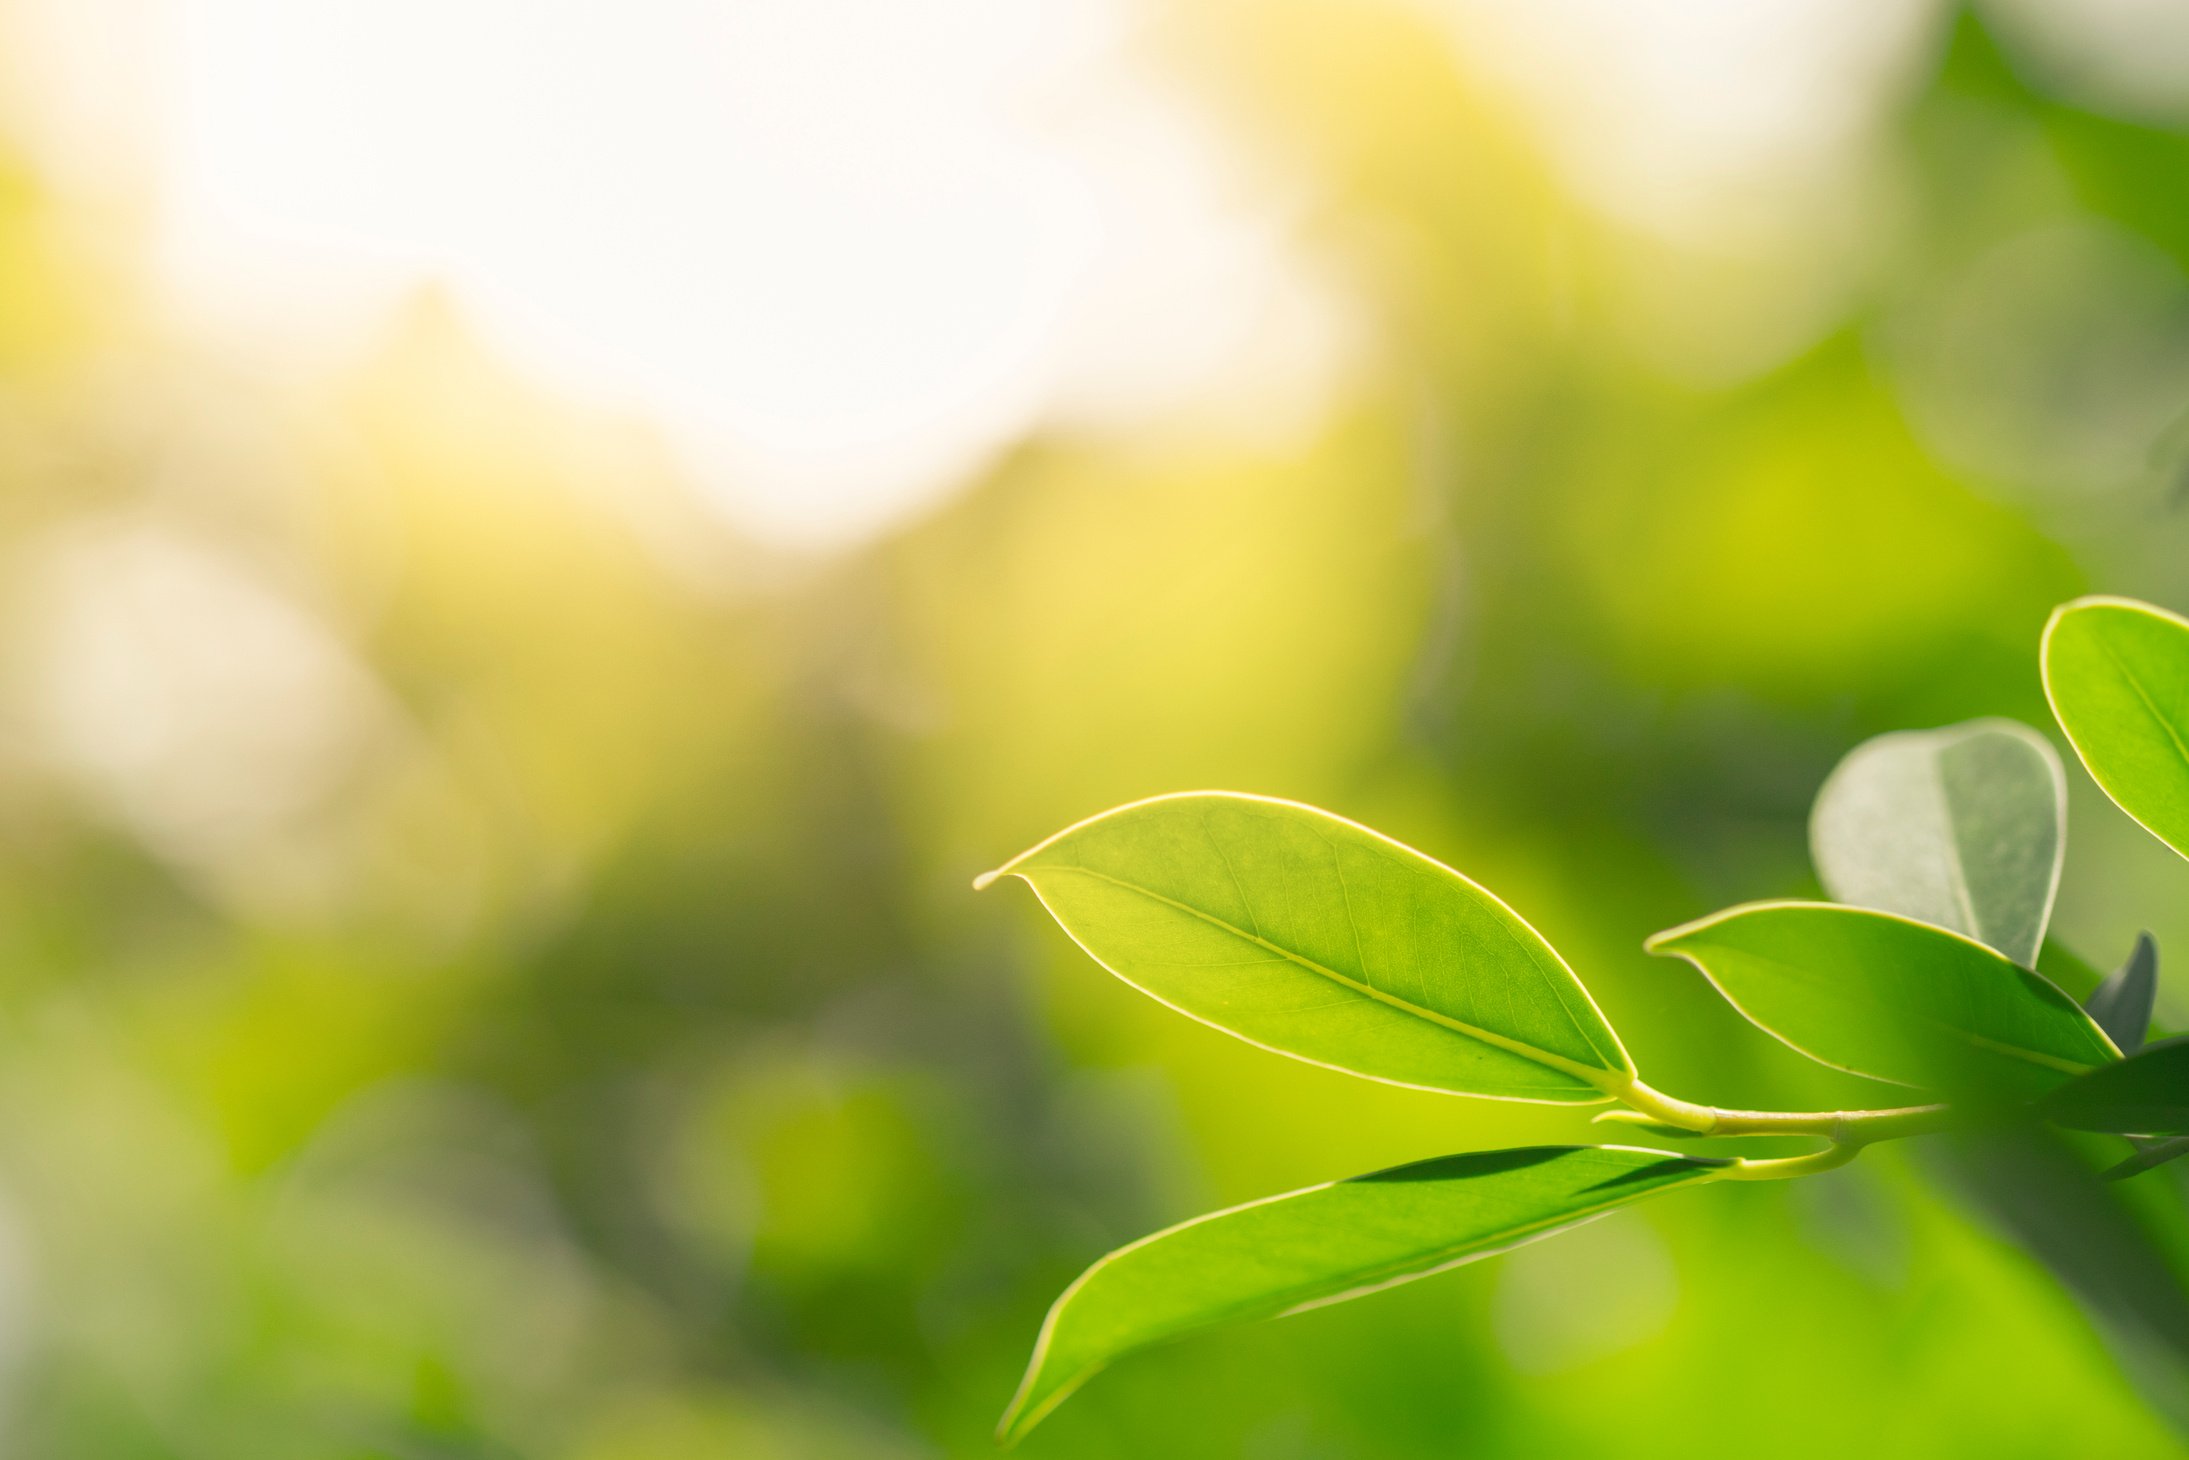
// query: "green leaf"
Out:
[1325,1244]
[1960,827]
[2070,972]
[2117,673]
[2110,1248]
[2145,1094]
[2149,1158]
[2122,1004]
[1306,934]
[1891,998]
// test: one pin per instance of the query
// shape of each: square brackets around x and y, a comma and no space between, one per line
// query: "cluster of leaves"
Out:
[1309,935]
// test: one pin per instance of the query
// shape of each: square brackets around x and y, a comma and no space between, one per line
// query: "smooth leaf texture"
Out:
[2145,1094]
[1961,827]
[2122,1004]
[2153,1155]
[1306,934]
[2070,972]
[2097,1239]
[1892,998]
[2117,673]
[1325,1244]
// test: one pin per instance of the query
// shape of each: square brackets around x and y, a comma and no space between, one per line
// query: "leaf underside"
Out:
[1960,827]
[1892,998]
[1306,934]
[1325,1244]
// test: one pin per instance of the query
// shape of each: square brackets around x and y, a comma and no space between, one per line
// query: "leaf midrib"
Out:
[2150,705]
[1591,1075]
[1484,1245]
[1809,980]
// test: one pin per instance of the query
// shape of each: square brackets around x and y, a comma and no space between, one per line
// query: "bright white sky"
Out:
[845,250]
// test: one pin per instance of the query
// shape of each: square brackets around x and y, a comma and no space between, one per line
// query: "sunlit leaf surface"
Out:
[2117,672]
[1325,1244]
[1891,998]
[1309,935]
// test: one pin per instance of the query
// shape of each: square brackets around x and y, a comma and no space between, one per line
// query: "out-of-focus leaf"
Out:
[2150,1157]
[2122,1004]
[1303,933]
[1891,998]
[2145,1094]
[1325,1244]
[1960,827]
[2044,1193]
[2117,672]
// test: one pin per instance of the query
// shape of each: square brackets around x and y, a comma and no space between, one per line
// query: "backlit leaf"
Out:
[1306,934]
[1891,998]
[2117,672]
[1325,1244]
[1960,827]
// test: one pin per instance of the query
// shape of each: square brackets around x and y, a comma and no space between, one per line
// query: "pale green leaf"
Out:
[2117,672]
[1892,998]
[1960,827]
[1306,934]
[1325,1244]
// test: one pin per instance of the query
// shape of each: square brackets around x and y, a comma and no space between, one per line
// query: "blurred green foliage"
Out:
[486,962]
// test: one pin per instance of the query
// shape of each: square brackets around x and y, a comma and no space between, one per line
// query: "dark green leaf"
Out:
[2117,672]
[1306,934]
[1326,1244]
[2106,1247]
[1891,998]
[2151,1156]
[1960,827]
[2145,1094]
[2122,1004]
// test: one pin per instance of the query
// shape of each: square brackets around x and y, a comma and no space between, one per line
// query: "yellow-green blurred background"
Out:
[545,545]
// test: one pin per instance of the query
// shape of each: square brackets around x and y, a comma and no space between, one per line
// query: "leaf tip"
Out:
[987,879]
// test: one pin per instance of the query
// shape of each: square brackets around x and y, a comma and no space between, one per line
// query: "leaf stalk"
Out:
[1839,1126]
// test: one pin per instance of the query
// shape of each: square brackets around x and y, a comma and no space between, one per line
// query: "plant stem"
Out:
[1840,1125]
[1838,1153]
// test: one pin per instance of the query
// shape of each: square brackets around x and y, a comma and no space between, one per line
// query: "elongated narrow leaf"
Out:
[1892,998]
[2117,672]
[1306,934]
[1960,827]
[2122,1004]
[2149,1157]
[1325,1244]
[2145,1094]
